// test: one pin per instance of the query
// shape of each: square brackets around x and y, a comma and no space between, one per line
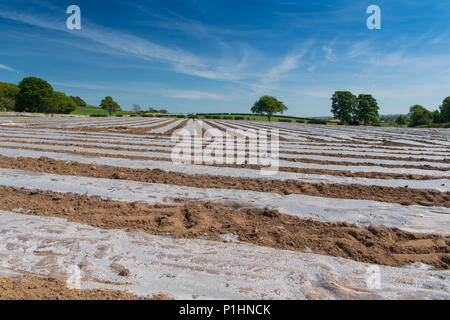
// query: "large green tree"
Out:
[109,104]
[35,95]
[418,115]
[343,106]
[367,109]
[269,106]
[445,110]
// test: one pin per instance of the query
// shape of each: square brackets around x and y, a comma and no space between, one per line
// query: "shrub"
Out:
[317,121]
[284,120]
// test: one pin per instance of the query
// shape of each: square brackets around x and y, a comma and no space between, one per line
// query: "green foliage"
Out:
[317,121]
[436,116]
[7,104]
[60,103]
[35,95]
[8,90]
[153,110]
[109,104]
[401,120]
[343,106]
[268,105]
[445,110]
[419,115]
[78,101]
[367,109]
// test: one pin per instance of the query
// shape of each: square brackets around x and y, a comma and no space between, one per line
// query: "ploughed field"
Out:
[97,208]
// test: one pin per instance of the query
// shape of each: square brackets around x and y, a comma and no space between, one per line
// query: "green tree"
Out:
[268,105]
[367,109]
[163,111]
[8,90]
[401,120]
[35,95]
[61,104]
[78,101]
[343,106]
[109,104]
[436,116]
[7,104]
[419,115]
[445,110]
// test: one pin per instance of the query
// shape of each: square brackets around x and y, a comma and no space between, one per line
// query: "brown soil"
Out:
[404,196]
[200,220]
[47,288]
[370,175]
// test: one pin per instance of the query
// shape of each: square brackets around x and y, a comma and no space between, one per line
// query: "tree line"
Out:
[36,95]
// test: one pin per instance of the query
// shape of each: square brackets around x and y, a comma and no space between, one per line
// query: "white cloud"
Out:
[359,49]
[289,63]
[2,66]
[330,54]
[182,61]
[192,95]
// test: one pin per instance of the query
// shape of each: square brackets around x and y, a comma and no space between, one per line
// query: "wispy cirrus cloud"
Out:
[330,56]
[3,67]
[192,95]
[181,61]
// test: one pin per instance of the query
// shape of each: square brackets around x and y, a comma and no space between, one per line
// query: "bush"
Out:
[284,120]
[239,118]
[317,121]
[353,123]
[98,115]
[181,116]
[300,121]
[119,115]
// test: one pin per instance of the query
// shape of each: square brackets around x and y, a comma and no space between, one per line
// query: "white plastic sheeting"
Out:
[435,184]
[185,269]
[360,212]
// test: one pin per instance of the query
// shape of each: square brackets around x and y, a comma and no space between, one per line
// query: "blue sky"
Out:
[220,56]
